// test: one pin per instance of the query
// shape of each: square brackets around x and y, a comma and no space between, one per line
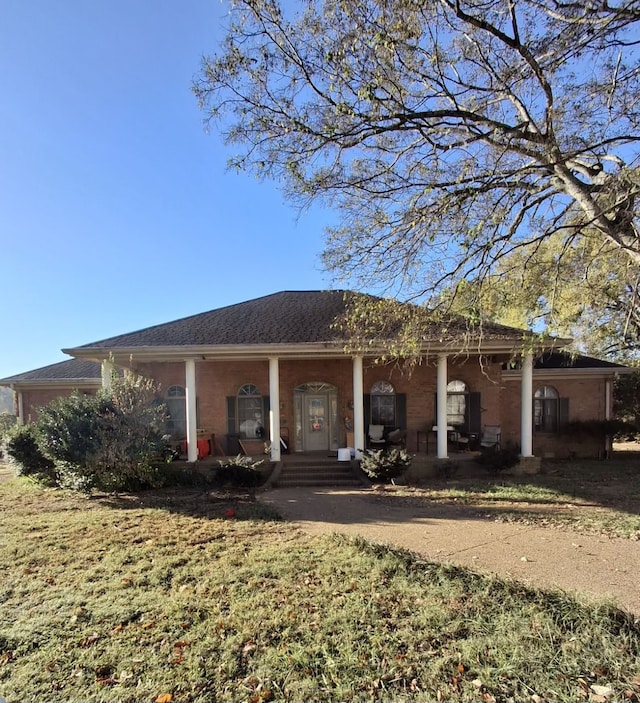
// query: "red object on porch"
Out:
[203,448]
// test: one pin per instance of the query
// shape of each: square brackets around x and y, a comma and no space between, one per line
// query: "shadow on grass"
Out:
[208,503]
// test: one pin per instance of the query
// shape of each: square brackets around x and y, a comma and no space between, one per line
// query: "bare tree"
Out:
[447,133]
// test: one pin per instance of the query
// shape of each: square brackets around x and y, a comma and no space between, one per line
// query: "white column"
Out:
[526,416]
[192,420]
[358,406]
[20,408]
[608,445]
[274,409]
[441,409]
[107,371]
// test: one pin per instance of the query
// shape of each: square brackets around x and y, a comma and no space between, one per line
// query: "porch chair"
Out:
[490,437]
[376,436]
[397,438]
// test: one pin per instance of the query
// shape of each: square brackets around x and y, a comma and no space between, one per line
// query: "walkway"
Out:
[591,564]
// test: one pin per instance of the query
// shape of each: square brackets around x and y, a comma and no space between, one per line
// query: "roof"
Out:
[76,370]
[285,318]
[567,360]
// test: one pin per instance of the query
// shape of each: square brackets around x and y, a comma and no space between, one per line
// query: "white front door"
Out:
[316,422]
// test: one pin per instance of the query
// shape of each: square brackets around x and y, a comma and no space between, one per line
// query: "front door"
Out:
[316,422]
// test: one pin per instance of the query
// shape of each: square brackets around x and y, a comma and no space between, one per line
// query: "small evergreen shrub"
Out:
[383,465]
[7,423]
[23,448]
[239,471]
[496,460]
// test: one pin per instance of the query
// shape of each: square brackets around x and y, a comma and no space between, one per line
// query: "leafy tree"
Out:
[449,134]
[586,289]
[626,393]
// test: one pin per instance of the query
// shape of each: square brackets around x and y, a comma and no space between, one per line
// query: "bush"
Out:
[600,429]
[110,441]
[7,423]
[23,449]
[383,465]
[239,471]
[496,460]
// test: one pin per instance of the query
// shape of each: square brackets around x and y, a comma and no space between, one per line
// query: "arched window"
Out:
[546,408]
[175,400]
[457,397]
[249,411]
[383,404]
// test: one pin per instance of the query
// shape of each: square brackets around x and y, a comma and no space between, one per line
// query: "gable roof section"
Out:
[72,372]
[289,319]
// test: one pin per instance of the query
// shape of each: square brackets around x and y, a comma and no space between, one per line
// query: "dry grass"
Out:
[202,597]
[600,497]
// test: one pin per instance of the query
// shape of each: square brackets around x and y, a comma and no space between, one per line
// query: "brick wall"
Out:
[33,399]
[586,402]
[216,380]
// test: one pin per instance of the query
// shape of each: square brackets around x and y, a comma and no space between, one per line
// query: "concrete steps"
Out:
[320,473]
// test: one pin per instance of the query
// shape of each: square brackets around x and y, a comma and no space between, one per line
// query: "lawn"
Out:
[592,496]
[181,595]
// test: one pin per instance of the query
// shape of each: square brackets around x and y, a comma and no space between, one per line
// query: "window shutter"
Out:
[401,411]
[367,412]
[563,412]
[266,409]
[435,411]
[474,414]
[231,414]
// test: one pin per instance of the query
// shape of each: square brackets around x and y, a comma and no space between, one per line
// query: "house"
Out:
[277,367]
[36,388]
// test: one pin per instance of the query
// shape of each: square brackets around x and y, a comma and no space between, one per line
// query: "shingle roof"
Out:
[72,370]
[566,360]
[288,317]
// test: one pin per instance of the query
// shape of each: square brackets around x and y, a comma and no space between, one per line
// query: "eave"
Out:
[322,350]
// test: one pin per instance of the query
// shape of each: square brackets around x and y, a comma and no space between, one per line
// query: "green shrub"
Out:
[384,465]
[496,460]
[600,429]
[238,471]
[7,423]
[22,447]
[110,441]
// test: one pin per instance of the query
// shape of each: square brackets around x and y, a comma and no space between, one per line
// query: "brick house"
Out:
[276,367]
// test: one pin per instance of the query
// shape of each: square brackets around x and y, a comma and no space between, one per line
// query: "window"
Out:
[457,394]
[383,404]
[249,410]
[175,401]
[546,409]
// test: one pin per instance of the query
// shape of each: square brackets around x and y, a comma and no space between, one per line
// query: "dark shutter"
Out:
[231,414]
[401,411]
[367,412]
[474,414]
[266,408]
[563,412]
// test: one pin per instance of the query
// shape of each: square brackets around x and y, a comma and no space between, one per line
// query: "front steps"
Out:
[315,473]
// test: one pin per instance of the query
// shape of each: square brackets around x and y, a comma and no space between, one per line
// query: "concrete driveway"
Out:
[593,565]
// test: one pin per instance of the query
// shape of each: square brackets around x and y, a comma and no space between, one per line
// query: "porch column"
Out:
[274,407]
[106,371]
[20,400]
[526,416]
[608,445]
[192,421]
[358,406]
[441,409]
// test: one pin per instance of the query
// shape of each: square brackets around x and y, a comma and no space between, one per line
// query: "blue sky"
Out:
[116,209]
